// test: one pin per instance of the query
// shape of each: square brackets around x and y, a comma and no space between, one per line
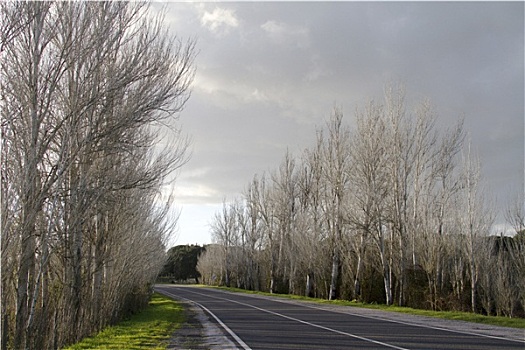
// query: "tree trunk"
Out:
[25,274]
[334,275]
[386,267]
[473,284]
[388,285]
[97,291]
[359,268]
[402,268]
[309,284]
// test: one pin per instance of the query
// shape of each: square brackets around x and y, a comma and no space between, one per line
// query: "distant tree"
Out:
[210,264]
[182,261]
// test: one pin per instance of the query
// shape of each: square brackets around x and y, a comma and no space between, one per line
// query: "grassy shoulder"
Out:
[149,329]
[449,315]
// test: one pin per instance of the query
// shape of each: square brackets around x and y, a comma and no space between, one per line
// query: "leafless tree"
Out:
[225,234]
[210,265]
[391,198]
[83,87]
[506,290]
[515,212]
[336,157]
[267,212]
[253,235]
[369,188]
[515,215]
[284,192]
[311,186]
[476,220]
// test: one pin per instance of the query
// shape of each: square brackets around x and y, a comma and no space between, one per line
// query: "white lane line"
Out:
[226,328]
[402,322]
[307,323]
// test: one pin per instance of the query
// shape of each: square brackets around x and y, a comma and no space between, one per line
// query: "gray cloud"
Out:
[268,73]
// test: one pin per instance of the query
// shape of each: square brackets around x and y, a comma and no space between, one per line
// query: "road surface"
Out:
[258,322]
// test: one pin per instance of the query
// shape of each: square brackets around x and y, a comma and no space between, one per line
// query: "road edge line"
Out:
[408,323]
[308,323]
[321,307]
[225,327]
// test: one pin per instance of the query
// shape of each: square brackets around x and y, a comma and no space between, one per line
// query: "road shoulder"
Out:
[198,331]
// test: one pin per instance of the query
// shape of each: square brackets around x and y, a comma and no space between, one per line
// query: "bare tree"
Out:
[515,212]
[476,221]
[390,199]
[310,185]
[488,268]
[504,280]
[284,195]
[439,230]
[83,84]
[369,188]
[254,235]
[336,158]
[267,211]
[225,234]
[210,265]
[515,215]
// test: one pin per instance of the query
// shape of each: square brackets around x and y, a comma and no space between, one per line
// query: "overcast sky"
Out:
[270,73]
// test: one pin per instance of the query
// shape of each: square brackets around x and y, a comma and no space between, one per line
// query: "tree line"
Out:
[392,210]
[88,91]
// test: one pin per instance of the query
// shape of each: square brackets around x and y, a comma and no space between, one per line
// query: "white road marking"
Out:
[226,328]
[305,322]
[400,322]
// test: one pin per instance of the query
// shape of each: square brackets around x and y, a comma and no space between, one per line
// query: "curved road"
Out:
[255,322]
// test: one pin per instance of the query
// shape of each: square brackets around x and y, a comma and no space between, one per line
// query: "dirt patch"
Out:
[198,332]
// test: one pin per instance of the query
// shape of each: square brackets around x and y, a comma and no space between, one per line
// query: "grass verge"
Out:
[149,329]
[449,315]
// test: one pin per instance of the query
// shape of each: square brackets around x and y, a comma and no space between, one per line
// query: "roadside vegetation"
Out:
[148,329]
[89,91]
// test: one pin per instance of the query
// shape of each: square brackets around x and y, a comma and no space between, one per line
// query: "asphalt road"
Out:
[255,322]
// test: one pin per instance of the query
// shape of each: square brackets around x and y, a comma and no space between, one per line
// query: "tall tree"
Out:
[284,194]
[83,87]
[336,157]
[369,188]
[515,215]
[476,220]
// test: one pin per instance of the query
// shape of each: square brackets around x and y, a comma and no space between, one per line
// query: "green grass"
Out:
[449,315]
[149,329]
